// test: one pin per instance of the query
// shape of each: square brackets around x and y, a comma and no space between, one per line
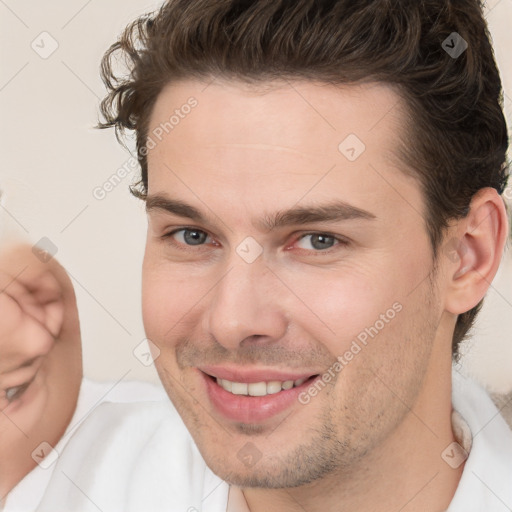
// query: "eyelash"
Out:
[341,242]
[183,247]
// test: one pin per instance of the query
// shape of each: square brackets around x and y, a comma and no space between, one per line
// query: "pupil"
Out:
[321,241]
[194,237]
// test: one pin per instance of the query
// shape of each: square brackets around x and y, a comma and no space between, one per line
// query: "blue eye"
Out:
[317,241]
[188,236]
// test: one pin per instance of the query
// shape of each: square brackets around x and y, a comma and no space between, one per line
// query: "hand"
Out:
[40,358]
[30,319]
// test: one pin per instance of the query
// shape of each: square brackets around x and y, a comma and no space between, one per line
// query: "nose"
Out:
[246,306]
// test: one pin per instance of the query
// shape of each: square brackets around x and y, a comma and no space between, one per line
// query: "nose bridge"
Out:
[245,303]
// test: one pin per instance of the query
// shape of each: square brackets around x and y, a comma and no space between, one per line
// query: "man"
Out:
[322,182]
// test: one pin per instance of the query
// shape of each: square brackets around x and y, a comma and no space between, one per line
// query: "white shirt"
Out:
[27,494]
[486,483]
[140,457]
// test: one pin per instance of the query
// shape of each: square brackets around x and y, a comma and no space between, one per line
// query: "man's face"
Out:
[298,249]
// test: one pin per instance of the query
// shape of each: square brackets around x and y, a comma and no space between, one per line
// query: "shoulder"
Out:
[120,391]
[485,482]
[29,491]
[128,456]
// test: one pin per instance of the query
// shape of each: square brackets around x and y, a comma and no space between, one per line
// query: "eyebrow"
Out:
[334,211]
[179,208]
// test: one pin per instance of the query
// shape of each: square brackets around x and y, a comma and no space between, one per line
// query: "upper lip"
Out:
[251,375]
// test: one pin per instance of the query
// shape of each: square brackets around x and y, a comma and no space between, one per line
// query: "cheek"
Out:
[170,298]
[336,306]
[361,310]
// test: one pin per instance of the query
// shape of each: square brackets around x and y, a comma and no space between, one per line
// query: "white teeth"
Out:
[239,388]
[274,387]
[258,388]
[227,384]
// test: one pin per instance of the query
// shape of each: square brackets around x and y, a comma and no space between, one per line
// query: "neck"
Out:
[406,472]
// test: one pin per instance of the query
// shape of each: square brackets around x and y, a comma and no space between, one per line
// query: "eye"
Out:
[188,236]
[318,241]
[12,394]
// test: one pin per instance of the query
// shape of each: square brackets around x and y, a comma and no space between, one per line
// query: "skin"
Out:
[373,438]
[39,343]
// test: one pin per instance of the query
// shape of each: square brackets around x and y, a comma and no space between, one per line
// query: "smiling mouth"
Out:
[262,388]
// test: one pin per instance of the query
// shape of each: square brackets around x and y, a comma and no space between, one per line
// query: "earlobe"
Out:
[481,238]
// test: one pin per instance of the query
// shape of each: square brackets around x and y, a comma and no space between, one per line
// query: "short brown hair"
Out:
[457,135]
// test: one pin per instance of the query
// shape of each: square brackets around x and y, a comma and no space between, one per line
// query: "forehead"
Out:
[292,139]
[256,113]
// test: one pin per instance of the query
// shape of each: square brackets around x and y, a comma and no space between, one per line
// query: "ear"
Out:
[475,251]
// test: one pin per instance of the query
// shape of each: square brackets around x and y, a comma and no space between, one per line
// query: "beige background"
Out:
[52,160]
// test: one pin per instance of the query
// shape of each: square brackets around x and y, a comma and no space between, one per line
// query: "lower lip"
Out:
[252,409]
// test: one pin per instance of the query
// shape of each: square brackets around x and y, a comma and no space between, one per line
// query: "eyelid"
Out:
[325,233]
[169,235]
[343,241]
